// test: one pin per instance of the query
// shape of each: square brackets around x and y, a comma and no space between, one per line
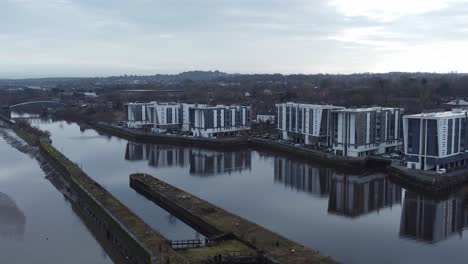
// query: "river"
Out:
[355,218]
[37,223]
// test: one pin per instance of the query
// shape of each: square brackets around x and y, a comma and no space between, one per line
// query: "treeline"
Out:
[413,91]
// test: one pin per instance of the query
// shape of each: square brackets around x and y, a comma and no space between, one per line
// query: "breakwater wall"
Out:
[137,241]
[309,154]
[274,246]
[6,118]
[147,137]
[232,143]
[428,183]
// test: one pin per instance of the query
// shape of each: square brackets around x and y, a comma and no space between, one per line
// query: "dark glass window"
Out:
[414,130]
[449,136]
[432,138]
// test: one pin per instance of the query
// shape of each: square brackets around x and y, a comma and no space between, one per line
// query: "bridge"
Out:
[41,103]
[35,105]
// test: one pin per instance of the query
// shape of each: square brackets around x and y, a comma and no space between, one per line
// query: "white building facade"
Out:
[362,132]
[436,140]
[214,121]
[158,116]
[266,119]
[305,123]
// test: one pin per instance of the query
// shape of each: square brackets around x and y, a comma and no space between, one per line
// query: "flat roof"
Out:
[313,105]
[453,113]
[218,106]
[367,109]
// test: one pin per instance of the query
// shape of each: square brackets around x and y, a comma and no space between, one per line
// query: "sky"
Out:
[54,38]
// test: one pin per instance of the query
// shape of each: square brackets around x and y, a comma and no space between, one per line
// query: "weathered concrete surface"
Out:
[275,246]
[236,142]
[137,241]
[428,182]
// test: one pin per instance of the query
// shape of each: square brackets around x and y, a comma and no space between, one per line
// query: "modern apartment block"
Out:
[201,120]
[138,115]
[361,132]
[305,123]
[158,116]
[436,140]
[220,120]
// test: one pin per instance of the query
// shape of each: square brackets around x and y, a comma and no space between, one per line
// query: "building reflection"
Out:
[12,219]
[209,162]
[354,196]
[201,162]
[302,176]
[432,220]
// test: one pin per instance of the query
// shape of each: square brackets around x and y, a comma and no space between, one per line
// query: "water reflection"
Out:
[319,220]
[12,219]
[302,176]
[202,162]
[354,196]
[432,220]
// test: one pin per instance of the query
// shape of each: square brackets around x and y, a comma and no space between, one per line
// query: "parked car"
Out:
[386,156]
[441,171]
[394,155]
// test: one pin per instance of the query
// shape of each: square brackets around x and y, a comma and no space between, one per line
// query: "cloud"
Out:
[89,37]
[389,10]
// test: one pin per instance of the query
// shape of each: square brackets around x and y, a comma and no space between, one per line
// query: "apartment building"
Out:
[361,132]
[436,141]
[200,120]
[155,115]
[305,123]
[138,115]
[220,120]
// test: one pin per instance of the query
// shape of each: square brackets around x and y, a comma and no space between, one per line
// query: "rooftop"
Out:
[313,105]
[453,113]
[460,102]
[366,109]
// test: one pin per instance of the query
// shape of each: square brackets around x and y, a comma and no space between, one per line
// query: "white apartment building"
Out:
[220,120]
[138,115]
[158,116]
[266,119]
[362,132]
[305,123]
[436,140]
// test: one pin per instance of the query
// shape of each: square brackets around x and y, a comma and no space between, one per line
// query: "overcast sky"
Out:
[111,37]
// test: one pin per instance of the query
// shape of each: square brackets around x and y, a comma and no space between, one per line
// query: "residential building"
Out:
[456,104]
[139,115]
[305,123]
[354,196]
[220,120]
[436,140]
[266,119]
[361,132]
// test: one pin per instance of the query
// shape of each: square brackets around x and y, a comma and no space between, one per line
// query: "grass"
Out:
[225,247]
[280,248]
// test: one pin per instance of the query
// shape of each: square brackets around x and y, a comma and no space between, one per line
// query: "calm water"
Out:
[353,218]
[37,224]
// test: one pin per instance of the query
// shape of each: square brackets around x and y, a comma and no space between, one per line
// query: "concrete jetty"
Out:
[216,221]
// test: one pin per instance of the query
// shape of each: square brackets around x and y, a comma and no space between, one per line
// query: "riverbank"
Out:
[234,142]
[216,221]
[428,181]
[135,241]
